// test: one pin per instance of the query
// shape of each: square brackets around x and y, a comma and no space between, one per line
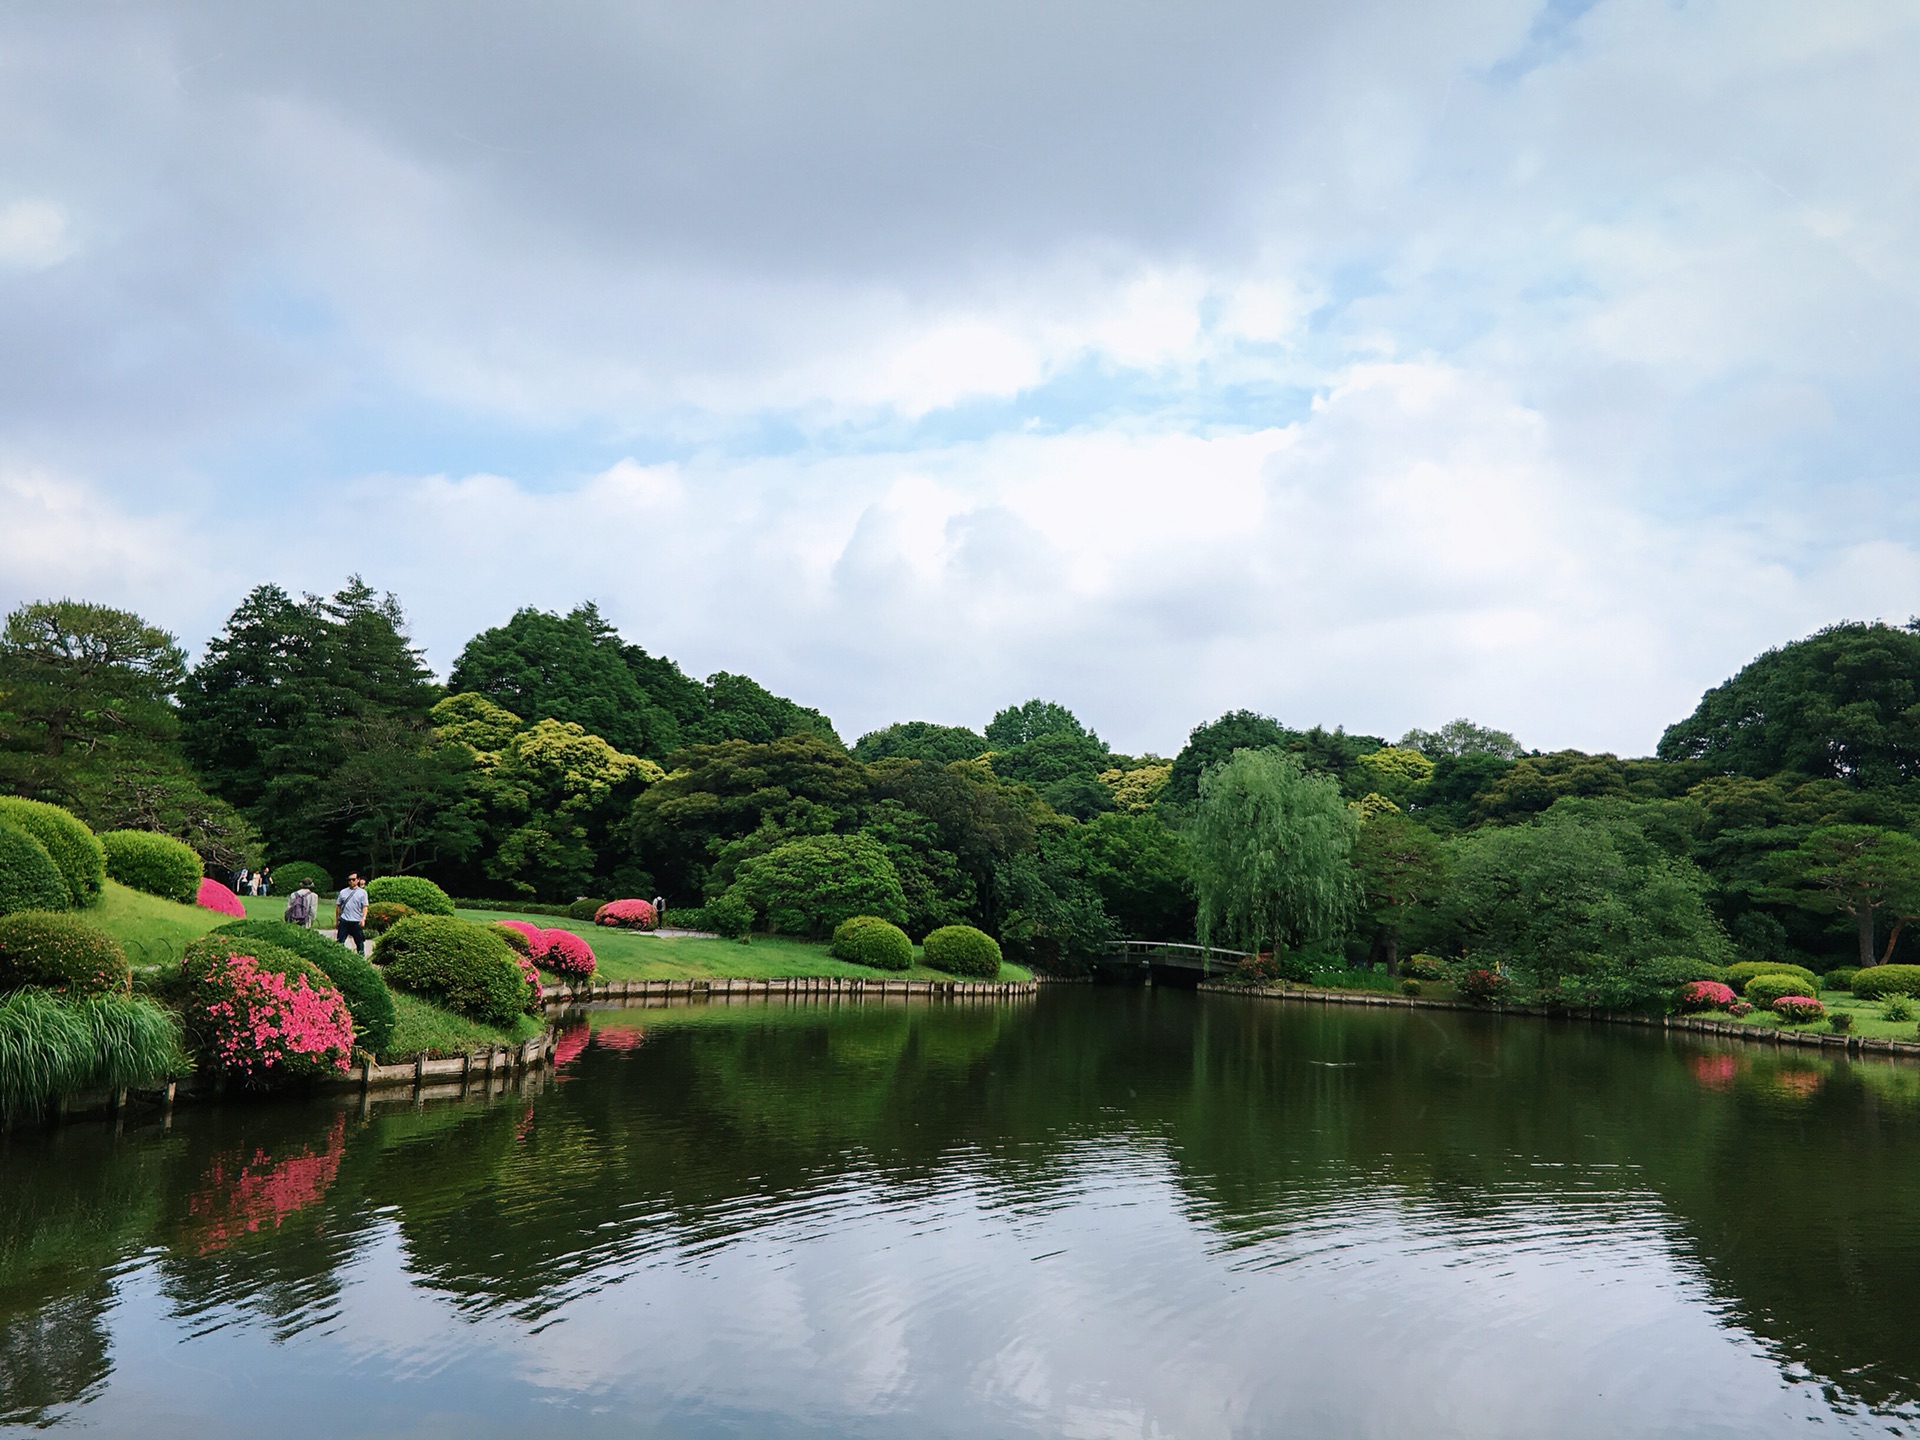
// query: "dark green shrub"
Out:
[465,967]
[729,916]
[963,950]
[352,975]
[869,940]
[153,864]
[52,950]
[517,940]
[1409,986]
[74,849]
[413,892]
[287,877]
[687,917]
[29,880]
[1839,1021]
[584,909]
[1663,972]
[1738,975]
[1840,978]
[382,913]
[1896,1007]
[808,886]
[1762,990]
[1877,982]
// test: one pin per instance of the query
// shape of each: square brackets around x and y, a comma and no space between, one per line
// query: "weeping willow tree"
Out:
[1270,847]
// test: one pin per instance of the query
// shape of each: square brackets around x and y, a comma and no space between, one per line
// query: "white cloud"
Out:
[33,234]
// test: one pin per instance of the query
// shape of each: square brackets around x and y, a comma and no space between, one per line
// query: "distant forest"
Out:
[560,760]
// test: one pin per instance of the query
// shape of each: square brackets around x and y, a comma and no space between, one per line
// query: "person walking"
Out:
[350,913]
[265,877]
[240,881]
[302,906]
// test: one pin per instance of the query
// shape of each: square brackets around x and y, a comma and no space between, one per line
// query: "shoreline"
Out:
[1846,1046]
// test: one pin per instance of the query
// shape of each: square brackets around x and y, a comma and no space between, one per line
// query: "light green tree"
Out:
[1270,845]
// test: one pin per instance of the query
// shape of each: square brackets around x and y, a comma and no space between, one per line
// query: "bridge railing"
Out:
[1204,958]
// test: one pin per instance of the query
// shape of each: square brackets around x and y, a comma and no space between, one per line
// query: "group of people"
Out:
[349,911]
[253,882]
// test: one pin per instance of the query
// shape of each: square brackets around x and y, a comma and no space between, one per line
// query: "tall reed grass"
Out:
[51,1047]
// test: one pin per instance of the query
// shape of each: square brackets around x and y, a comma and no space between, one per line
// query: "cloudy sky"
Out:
[1365,363]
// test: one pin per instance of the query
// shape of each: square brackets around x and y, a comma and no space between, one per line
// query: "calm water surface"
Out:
[1103,1213]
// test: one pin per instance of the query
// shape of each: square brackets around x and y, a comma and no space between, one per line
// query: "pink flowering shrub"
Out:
[262,1016]
[627,914]
[1706,995]
[215,896]
[536,937]
[1798,1009]
[1486,986]
[1743,1008]
[537,991]
[567,954]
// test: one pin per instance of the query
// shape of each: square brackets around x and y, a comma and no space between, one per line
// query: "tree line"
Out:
[559,759]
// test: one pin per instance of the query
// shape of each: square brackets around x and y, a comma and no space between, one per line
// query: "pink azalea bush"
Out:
[1798,1009]
[568,954]
[1485,986]
[536,937]
[627,914]
[1706,995]
[215,896]
[532,977]
[259,1023]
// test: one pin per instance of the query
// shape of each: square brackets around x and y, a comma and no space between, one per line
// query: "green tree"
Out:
[1140,867]
[1046,911]
[1402,868]
[1270,845]
[1858,871]
[1215,743]
[920,740]
[1462,737]
[79,681]
[742,709]
[1035,720]
[808,886]
[573,668]
[1843,703]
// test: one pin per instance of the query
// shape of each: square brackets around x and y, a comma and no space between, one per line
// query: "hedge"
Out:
[869,940]
[963,950]
[1738,975]
[465,967]
[29,880]
[352,975]
[413,891]
[260,1012]
[1762,990]
[1877,982]
[584,908]
[153,864]
[53,950]
[1840,978]
[287,877]
[75,850]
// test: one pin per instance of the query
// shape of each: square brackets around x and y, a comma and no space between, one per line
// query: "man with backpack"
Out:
[302,906]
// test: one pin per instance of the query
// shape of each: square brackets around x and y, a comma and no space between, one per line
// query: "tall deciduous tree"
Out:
[1270,846]
[1861,871]
[1401,867]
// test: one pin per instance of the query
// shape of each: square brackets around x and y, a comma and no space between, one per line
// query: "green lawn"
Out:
[624,955]
[152,931]
[1866,1018]
[423,1028]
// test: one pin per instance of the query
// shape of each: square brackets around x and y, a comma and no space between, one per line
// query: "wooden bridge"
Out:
[1165,962]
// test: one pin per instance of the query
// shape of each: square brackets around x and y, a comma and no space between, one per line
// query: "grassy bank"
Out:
[624,955]
[421,1028]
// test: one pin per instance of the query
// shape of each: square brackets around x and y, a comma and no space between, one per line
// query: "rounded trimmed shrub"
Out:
[1704,995]
[729,916]
[287,877]
[1738,975]
[869,940]
[153,864]
[1877,982]
[53,950]
[1764,990]
[1796,1009]
[1840,1021]
[220,899]
[568,954]
[464,967]
[29,880]
[962,950]
[75,850]
[535,937]
[627,914]
[809,885]
[259,1012]
[412,891]
[1839,978]
[359,984]
[515,937]
[382,913]
[585,908]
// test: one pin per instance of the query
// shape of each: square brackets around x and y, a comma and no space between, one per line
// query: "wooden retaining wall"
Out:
[1840,1046]
[859,987]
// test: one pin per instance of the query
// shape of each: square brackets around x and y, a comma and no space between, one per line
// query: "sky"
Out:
[1363,364]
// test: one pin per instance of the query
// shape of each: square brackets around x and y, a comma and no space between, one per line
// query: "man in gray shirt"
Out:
[350,912]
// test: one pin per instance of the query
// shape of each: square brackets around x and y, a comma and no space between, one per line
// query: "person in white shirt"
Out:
[350,913]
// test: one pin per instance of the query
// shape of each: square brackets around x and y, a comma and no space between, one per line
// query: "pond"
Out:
[1099,1213]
